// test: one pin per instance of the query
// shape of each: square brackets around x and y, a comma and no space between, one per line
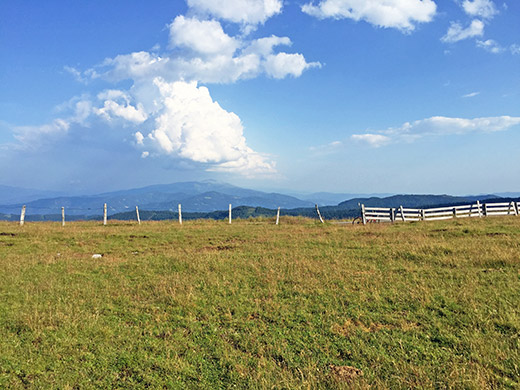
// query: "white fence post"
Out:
[363,217]
[230,217]
[105,214]
[22,216]
[137,213]
[479,209]
[278,216]
[402,213]
[512,206]
[180,214]
[63,216]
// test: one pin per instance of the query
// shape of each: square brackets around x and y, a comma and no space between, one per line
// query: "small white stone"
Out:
[97,256]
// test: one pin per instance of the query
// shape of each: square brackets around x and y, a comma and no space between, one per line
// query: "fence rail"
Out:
[396,214]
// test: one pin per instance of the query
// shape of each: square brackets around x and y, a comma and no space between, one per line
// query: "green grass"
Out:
[254,305]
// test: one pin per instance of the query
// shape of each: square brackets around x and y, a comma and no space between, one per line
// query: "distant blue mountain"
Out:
[204,196]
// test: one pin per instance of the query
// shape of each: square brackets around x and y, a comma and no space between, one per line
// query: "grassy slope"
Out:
[253,305]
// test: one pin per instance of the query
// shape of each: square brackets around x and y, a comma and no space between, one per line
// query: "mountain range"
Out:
[205,198]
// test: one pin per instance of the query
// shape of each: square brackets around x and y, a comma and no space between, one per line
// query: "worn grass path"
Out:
[253,305]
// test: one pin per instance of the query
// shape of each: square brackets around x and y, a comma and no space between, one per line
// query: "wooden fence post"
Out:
[479,209]
[512,206]
[454,212]
[517,208]
[401,208]
[63,216]
[230,214]
[22,216]
[392,214]
[278,216]
[319,214]
[180,214]
[137,213]
[105,214]
[485,210]
[423,215]
[363,216]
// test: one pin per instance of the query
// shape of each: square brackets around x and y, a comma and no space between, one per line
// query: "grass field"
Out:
[254,305]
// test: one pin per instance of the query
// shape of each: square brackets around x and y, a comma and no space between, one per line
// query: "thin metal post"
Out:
[22,216]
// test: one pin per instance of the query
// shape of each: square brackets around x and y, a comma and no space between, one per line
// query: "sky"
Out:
[356,96]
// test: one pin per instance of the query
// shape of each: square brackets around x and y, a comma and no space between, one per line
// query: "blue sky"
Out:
[394,96]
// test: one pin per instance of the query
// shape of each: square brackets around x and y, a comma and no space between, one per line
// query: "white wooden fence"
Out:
[395,214]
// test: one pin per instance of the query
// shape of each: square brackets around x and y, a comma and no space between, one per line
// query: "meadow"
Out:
[251,305]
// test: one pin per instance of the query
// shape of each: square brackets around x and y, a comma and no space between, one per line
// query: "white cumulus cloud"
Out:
[165,111]
[437,126]
[457,33]
[205,53]
[400,14]
[193,126]
[249,12]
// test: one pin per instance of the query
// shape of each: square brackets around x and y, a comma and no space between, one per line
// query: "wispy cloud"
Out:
[470,95]
[436,126]
[491,46]
[374,140]
[330,148]
[457,33]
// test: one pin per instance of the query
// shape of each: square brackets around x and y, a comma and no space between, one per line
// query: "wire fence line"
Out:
[105,217]
[396,214]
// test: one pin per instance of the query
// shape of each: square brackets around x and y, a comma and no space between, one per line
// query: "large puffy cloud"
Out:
[193,126]
[249,12]
[479,8]
[166,110]
[437,126]
[457,33]
[400,14]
